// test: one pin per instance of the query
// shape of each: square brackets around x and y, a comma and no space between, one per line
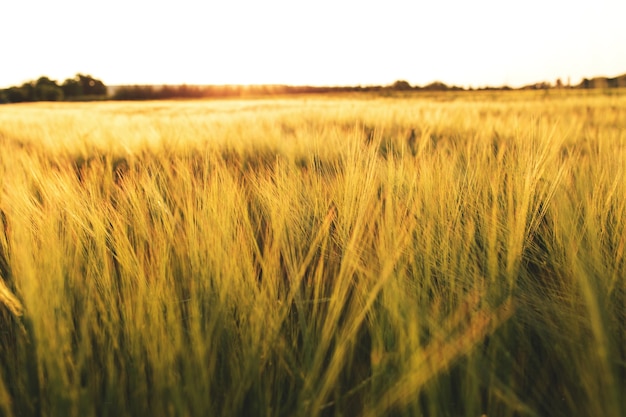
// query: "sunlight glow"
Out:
[318,43]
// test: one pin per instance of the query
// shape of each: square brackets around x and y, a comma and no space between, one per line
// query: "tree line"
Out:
[80,87]
[86,87]
[150,92]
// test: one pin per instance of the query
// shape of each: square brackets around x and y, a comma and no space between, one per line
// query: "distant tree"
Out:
[436,86]
[167,92]
[28,91]
[586,83]
[15,95]
[136,92]
[544,85]
[401,85]
[91,86]
[49,93]
[72,88]
[47,90]
[41,81]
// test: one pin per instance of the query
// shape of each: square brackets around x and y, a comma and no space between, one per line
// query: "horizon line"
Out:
[565,82]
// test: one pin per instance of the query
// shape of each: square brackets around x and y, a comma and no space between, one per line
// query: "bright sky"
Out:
[320,42]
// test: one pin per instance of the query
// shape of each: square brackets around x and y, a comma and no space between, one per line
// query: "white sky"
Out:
[321,42]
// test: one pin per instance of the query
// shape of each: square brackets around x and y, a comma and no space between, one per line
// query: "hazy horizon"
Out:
[565,82]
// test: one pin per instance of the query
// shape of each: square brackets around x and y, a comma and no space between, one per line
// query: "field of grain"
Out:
[459,254]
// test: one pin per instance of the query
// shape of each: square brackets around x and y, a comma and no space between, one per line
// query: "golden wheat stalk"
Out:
[438,356]
[9,299]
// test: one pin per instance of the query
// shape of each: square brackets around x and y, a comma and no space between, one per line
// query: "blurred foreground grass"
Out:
[445,255]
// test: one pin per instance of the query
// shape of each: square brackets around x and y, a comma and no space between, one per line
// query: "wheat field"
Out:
[457,254]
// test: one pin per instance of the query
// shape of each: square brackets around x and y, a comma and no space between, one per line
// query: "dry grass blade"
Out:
[439,355]
[9,300]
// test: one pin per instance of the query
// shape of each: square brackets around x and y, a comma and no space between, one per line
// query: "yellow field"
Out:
[455,254]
